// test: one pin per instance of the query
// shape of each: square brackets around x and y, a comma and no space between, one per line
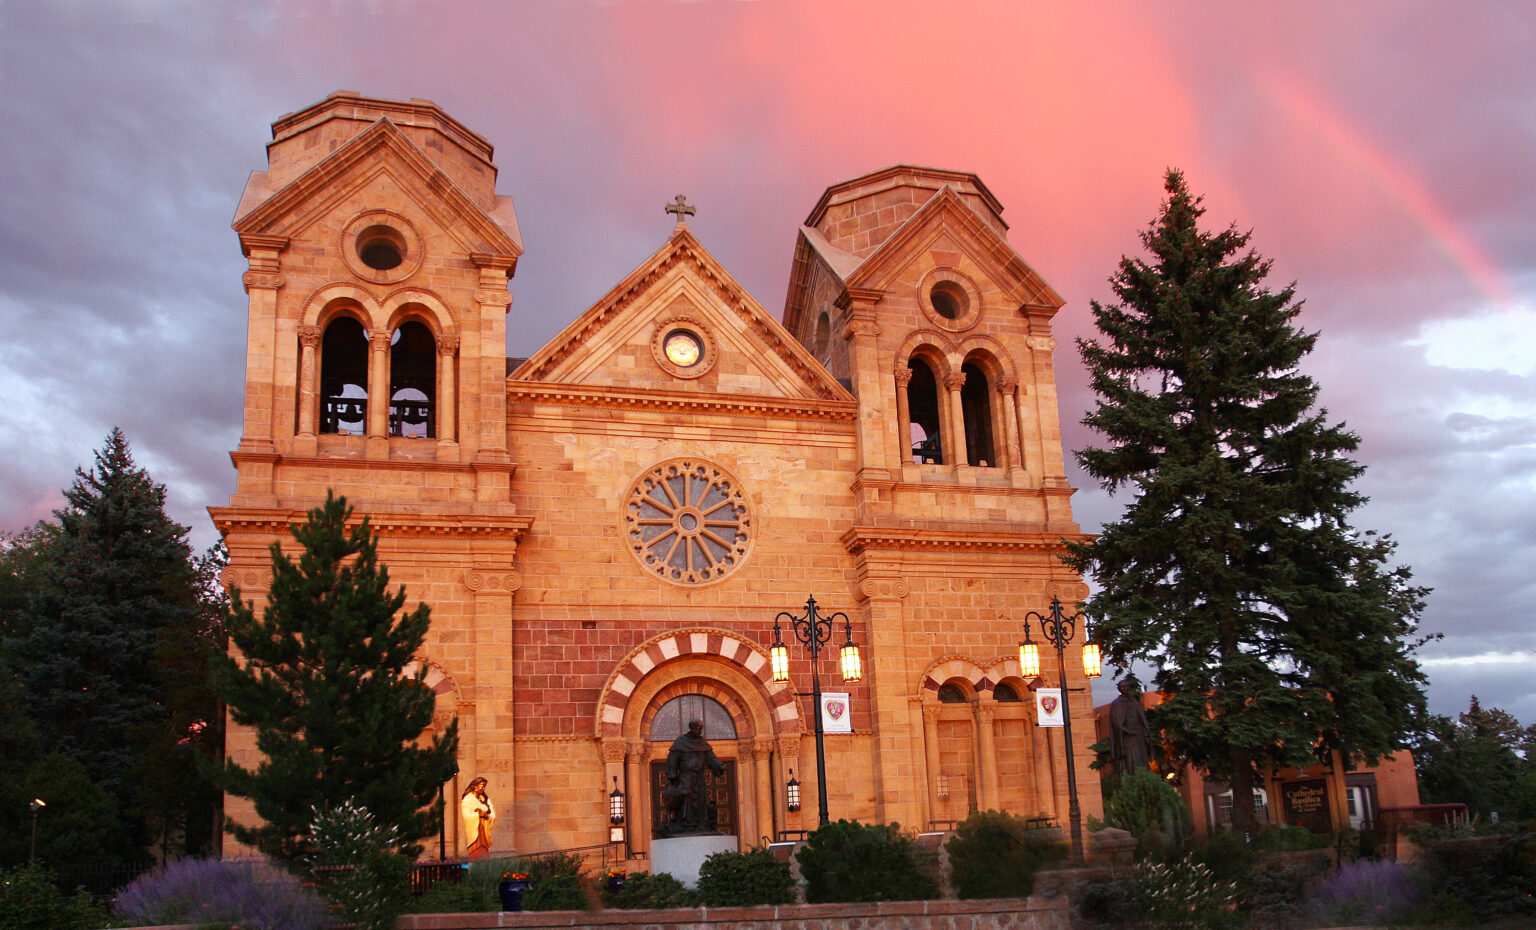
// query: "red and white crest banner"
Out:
[1048,704]
[836,713]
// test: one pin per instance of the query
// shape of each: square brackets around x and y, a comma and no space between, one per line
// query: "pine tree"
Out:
[1281,633]
[116,578]
[321,680]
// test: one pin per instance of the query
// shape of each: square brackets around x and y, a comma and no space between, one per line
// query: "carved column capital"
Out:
[1042,343]
[614,751]
[883,587]
[931,712]
[955,381]
[903,376]
[379,342]
[309,336]
[256,280]
[447,344]
[1006,386]
[492,581]
[985,713]
[490,298]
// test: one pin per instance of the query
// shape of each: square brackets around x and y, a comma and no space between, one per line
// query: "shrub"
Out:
[849,861]
[1289,838]
[1109,901]
[1150,809]
[1229,855]
[1270,897]
[556,893]
[29,900]
[995,855]
[357,867]
[643,891]
[730,879]
[1186,893]
[1364,891]
[253,893]
[1496,879]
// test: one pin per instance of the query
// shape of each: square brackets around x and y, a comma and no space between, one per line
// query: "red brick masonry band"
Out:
[1035,913]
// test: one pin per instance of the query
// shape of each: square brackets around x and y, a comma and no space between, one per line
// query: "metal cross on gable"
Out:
[681,208]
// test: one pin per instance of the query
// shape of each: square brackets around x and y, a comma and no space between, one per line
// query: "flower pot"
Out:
[512,894]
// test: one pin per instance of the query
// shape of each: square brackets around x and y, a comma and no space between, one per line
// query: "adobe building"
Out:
[606,531]
[1324,797]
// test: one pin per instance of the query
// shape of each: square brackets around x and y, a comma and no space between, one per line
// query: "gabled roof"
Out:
[748,334]
[289,210]
[944,212]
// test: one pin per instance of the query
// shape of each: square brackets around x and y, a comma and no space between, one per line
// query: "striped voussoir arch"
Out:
[951,667]
[434,679]
[697,643]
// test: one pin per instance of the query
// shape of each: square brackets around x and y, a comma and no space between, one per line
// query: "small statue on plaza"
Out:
[685,795]
[1130,735]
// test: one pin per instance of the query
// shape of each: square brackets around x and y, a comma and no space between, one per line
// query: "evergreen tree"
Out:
[322,683]
[116,578]
[1280,632]
[1484,758]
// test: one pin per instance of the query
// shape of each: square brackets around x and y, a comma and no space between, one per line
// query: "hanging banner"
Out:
[1048,703]
[836,713]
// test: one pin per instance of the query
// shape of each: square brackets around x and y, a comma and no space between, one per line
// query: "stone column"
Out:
[309,379]
[986,721]
[874,479]
[954,437]
[378,385]
[931,757]
[1045,776]
[447,406]
[638,792]
[1013,456]
[492,735]
[903,377]
[262,352]
[762,754]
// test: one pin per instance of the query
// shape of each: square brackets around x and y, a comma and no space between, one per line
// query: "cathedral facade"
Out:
[607,530]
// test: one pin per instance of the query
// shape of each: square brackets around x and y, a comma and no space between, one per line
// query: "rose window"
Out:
[687,522]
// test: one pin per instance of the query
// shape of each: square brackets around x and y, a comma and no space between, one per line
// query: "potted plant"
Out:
[511,889]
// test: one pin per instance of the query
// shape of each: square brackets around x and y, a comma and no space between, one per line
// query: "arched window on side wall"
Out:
[976,401]
[344,377]
[412,382]
[923,412]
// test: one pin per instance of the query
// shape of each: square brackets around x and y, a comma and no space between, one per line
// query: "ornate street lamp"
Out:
[1058,630]
[36,805]
[792,792]
[815,631]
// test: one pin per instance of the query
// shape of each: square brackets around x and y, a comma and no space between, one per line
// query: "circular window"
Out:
[950,299]
[683,347]
[687,522]
[381,248]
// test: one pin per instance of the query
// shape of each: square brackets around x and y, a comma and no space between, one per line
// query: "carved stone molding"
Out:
[490,298]
[614,751]
[858,327]
[491,580]
[1070,592]
[257,279]
[1042,343]
[883,587]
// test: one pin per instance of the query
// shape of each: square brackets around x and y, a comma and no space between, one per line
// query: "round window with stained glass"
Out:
[688,522]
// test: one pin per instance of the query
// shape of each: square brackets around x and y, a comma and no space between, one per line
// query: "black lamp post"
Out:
[815,631]
[36,805]
[1058,630]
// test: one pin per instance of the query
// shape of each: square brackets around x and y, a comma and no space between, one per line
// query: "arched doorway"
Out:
[671,721]
[732,673]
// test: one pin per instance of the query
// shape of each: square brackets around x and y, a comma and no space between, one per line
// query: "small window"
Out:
[949,300]
[823,335]
[976,402]
[951,694]
[671,721]
[923,413]
[1005,694]
[381,248]
[412,381]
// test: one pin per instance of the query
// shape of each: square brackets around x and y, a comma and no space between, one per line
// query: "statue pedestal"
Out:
[681,856]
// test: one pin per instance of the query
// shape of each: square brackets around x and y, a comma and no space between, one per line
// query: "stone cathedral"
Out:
[606,531]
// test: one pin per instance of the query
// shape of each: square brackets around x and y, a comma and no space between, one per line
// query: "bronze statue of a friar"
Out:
[684,796]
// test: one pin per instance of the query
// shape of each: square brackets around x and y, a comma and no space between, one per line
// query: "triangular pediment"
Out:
[947,228]
[377,166]
[619,344]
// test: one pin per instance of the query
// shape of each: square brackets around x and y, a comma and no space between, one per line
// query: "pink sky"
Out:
[1381,153]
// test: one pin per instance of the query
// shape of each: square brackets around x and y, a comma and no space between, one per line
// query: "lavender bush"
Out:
[1365,892]
[254,894]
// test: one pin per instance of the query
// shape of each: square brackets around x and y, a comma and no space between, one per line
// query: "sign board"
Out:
[1306,805]
[836,713]
[1048,706]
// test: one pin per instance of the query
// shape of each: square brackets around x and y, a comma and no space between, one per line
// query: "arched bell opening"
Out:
[344,377]
[413,381]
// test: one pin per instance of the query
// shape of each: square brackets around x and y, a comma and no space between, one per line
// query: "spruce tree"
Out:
[1280,632]
[114,583]
[320,678]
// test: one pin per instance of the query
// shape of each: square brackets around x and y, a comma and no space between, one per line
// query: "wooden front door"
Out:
[721,791]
